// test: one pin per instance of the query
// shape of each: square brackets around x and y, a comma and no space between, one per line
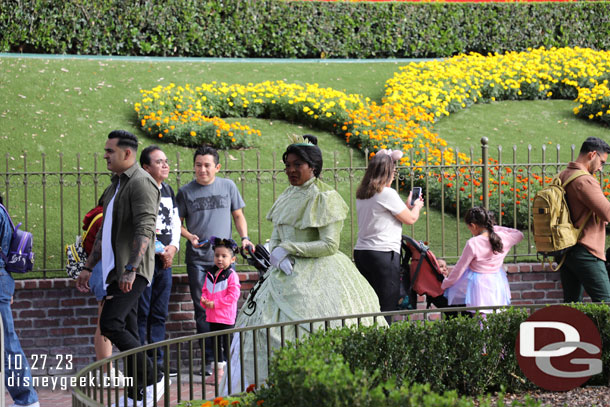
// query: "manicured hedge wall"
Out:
[271,28]
[376,367]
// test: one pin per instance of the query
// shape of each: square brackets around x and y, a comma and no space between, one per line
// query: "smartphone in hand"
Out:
[415,194]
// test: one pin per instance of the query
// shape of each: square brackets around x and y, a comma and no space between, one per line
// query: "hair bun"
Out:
[311,138]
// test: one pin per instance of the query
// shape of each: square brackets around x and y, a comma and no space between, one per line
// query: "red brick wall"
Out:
[53,318]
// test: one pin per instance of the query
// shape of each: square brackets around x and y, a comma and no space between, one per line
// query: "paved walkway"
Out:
[63,398]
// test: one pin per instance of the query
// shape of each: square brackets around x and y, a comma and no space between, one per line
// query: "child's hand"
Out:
[210,304]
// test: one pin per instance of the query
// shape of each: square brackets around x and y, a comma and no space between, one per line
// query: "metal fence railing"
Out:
[184,354]
[51,196]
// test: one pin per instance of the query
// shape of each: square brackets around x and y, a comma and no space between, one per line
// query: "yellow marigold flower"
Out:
[192,133]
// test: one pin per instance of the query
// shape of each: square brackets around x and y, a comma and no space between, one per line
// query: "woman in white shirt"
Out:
[381,214]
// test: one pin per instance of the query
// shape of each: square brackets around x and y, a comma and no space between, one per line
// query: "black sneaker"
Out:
[172,372]
[208,369]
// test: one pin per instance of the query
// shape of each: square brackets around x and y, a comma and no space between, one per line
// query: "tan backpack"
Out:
[553,230]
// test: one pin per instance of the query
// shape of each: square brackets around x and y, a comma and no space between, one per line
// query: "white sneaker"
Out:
[34,404]
[150,391]
[116,378]
[121,403]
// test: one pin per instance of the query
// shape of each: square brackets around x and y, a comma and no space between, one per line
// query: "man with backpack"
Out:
[17,376]
[584,266]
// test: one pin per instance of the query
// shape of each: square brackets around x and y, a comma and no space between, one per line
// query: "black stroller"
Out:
[259,259]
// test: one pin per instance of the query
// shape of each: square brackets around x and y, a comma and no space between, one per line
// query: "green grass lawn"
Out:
[67,107]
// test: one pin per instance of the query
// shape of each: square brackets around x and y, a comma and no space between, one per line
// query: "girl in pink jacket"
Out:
[221,290]
[478,278]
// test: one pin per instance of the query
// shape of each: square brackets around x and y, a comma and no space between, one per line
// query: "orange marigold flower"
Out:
[260,402]
[250,388]
[235,402]
[217,400]
[207,404]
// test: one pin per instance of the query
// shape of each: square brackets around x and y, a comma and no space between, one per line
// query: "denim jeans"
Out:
[196,275]
[16,366]
[119,323]
[153,307]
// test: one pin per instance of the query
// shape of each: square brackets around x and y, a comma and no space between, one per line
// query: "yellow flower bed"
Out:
[417,96]
[445,86]
[594,102]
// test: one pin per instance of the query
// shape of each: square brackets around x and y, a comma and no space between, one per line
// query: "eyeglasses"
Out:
[601,159]
[160,162]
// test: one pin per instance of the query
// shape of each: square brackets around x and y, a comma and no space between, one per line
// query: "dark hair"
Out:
[1,201]
[310,153]
[594,144]
[228,243]
[378,174]
[145,154]
[205,150]
[482,217]
[126,139]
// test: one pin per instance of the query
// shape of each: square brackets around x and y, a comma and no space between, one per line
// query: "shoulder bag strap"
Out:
[99,215]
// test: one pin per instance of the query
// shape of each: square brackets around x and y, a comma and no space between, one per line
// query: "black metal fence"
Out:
[50,195]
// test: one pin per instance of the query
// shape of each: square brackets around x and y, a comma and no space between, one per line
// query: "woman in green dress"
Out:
[309,277]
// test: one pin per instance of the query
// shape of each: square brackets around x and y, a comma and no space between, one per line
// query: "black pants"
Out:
[222,342]
[196,274]
[382,271]
[119,323]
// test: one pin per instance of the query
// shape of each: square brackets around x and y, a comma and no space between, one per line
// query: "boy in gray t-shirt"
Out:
[207,204]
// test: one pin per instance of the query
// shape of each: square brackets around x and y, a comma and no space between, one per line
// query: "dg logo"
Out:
[559,348]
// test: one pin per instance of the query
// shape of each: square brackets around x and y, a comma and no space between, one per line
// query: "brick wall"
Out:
[53,318]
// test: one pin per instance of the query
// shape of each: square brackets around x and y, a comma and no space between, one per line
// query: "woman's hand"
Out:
[280,259]
[418,202]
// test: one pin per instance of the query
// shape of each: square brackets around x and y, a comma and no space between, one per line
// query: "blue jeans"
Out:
[153,307]
[16,366]
[96,282]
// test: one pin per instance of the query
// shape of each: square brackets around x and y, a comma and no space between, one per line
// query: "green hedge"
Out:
[280,29]
[372,366]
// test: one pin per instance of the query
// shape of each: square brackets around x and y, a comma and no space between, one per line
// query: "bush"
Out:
[285,29]
[410,364]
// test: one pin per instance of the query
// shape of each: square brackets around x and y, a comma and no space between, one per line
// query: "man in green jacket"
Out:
[125,245]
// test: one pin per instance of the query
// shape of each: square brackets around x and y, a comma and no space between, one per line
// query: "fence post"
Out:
[484,158]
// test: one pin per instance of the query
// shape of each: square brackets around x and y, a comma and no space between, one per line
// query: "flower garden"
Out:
[416,97]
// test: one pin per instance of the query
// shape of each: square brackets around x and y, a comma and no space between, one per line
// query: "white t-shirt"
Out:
[378,228]
[107,252]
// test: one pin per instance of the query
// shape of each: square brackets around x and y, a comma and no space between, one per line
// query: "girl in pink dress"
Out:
[478,278]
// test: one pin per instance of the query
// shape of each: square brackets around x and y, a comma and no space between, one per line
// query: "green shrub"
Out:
[409,364]
[296,29]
